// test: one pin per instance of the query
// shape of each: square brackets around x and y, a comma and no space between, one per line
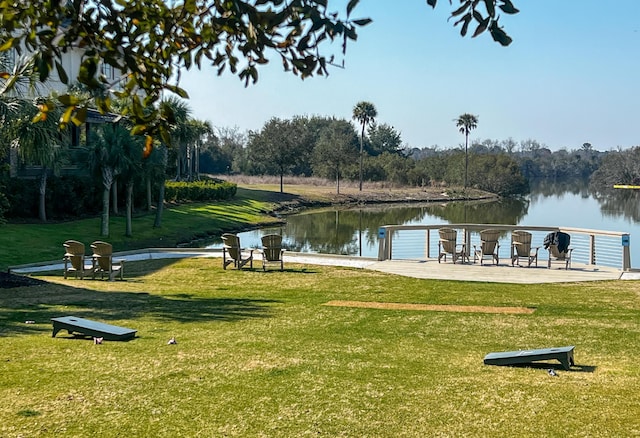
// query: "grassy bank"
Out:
[29,243]
[256,197]
[259,354]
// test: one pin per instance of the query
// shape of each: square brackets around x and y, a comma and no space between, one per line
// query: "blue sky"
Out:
[572,75]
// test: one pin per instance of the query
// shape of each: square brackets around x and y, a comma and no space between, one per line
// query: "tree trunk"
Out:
[42,190]
[466,159]
[107,181]
[149,200]
[196,161]
[114,196]
[129,207]
[361,152]
[188,163]
[281,180]
[159,207]
[338,180]
[160,204]
[178,164]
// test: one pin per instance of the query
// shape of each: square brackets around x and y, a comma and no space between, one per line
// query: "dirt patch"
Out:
[432,307]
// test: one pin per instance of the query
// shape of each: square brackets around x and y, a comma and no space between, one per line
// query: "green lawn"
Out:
[31,243]
[259,354]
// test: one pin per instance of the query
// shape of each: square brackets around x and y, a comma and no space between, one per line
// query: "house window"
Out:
[107,71]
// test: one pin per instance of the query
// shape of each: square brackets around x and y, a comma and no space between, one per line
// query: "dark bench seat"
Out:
[562,354]
[87,327]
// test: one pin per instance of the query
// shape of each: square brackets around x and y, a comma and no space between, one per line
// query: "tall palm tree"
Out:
[178,113]
[107,159]
[365,113]
[465,123]
[200,130]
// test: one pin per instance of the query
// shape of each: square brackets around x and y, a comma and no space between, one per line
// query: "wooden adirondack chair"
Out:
[489,247]
[74,259]
[104,263]
[521,248]
[272,251]
[232,252]
[448,245]
[558,245]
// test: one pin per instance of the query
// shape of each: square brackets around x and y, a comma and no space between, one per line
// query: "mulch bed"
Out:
[8,281]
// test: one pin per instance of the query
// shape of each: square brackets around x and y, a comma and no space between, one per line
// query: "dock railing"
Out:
[590,247]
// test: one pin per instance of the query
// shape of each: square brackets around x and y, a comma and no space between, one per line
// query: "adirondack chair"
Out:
[557,243]
[272,251]
[555,255]
[74,259]
[489,247]
[447,244]
[521,248]
[104,263]
[232,253]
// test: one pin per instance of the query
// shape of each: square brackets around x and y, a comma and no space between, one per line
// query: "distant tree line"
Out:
[327,147]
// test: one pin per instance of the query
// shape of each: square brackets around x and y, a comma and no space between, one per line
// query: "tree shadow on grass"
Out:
[26,310]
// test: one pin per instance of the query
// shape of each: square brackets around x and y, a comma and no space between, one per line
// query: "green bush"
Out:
[207,190]
[66,197]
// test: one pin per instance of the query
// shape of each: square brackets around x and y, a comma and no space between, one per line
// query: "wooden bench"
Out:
[562,354]
[87,327]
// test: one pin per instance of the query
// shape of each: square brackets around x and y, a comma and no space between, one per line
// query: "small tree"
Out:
[336,147]
[275,148]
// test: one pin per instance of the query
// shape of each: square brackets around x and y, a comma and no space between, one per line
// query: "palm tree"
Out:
[107,158]
[365,113]
[465,123]
[179,114]
[200,130]
[38,143]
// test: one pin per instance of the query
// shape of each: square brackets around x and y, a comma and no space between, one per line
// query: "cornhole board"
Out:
[562,354]
[96,329]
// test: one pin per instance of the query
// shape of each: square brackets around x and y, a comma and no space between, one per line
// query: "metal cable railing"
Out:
[590,247]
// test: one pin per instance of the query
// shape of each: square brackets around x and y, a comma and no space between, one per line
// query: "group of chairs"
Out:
[557,243]
[101,261]
[232,253]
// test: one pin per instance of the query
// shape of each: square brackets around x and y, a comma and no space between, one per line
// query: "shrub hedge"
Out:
[207,190]
[70,197]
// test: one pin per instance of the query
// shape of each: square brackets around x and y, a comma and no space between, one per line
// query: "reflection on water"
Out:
[354,231]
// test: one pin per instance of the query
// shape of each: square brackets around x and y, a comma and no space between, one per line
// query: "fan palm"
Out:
[365,113]
[465,123]
[38,143]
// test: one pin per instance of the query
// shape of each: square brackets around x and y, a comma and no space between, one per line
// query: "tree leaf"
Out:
[432,3]
[80,116]
[352,4]
[499,35]
[508,7]
[481,27]
[6,45]
[362,21]
[460,10]
[62,74]
[68,100]
[491,7]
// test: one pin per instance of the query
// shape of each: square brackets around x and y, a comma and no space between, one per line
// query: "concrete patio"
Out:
[424,268]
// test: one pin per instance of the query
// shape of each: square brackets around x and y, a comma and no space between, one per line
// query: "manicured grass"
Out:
[258,354]
[30,243]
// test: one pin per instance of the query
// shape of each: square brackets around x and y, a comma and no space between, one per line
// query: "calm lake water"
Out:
[354,231]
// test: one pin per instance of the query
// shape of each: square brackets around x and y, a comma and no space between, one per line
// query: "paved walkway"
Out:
[428,269]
